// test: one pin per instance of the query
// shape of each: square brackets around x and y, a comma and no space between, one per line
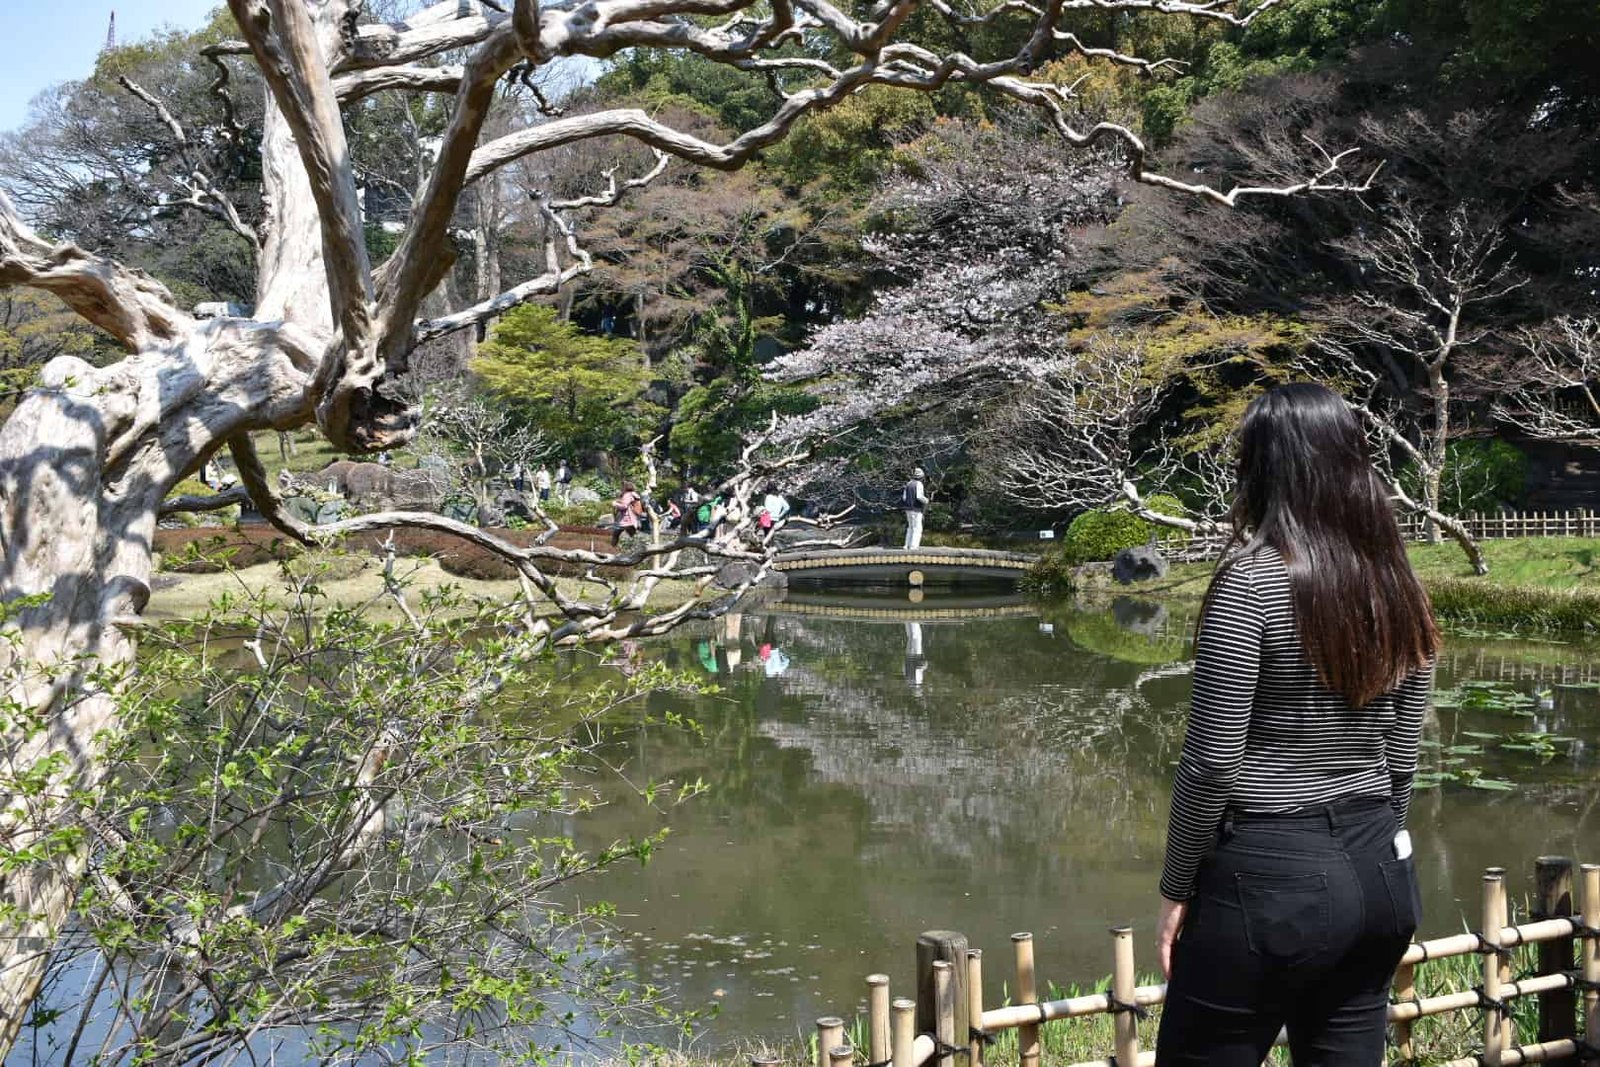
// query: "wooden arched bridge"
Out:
[893,566]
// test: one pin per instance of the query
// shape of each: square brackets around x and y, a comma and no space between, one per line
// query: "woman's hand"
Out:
[1168,927]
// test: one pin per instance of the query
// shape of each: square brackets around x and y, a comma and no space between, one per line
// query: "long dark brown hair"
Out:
[1308,489]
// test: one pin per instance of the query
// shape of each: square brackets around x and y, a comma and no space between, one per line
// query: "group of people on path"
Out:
[701,515]
[544,482]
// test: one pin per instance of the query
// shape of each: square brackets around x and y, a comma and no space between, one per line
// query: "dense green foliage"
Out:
[581,389]
[1099,535]
[1484,475]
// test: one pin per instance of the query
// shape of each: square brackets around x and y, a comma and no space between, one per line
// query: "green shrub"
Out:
[1050,576]
[1096,536]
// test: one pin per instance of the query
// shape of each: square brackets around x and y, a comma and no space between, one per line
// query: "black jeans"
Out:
[1299,921]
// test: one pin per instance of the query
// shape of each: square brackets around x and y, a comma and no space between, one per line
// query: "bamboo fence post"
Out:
[1405,989]
[975,1007]
[1123,984]
[841,1056]
[1591,955]
[944,1019]
[934,947]
[830,1032]
[878,1018]
[1558,1009]
[1027,993]
[1495,1023]
[904,1015]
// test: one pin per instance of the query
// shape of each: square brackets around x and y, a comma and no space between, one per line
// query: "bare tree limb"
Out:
[406,77]
[204,193]
[127,303]
[285,45]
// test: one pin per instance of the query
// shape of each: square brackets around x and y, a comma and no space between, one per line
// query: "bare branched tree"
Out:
[1559,398]
[1382,417]
[1429,283]
[89,455]
[1082,436]
[473,439]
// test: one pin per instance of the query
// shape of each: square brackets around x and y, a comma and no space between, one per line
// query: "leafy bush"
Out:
[1099,535]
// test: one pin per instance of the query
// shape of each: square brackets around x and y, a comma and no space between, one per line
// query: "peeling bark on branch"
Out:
[128,304]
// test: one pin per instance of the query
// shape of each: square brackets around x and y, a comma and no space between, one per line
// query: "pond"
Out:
[877,767]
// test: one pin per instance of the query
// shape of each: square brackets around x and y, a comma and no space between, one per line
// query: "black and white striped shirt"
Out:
[1265,735]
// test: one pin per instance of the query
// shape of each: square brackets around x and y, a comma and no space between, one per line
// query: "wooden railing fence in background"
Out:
[948,1020]
[1496,526]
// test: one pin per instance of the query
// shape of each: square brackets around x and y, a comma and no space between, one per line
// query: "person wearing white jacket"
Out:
[914,499]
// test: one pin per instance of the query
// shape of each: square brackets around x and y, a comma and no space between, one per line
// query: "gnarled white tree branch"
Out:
[126,303]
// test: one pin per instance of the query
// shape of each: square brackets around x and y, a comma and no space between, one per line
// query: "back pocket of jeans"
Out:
[1400,877]
[1286,916]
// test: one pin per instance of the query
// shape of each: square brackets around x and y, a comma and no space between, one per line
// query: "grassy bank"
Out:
[1534,585]
[352,581]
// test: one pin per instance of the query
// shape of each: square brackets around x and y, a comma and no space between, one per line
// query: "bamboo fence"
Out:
[1493,526]
[947,1020]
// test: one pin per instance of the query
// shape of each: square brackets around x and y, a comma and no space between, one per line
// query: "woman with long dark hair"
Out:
[1288,892]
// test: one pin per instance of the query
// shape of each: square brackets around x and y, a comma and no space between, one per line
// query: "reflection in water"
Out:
[1012,774]
[916,664]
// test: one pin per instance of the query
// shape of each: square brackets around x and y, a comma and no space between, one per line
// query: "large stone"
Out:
[376,487]
[1141,563]
[582,494]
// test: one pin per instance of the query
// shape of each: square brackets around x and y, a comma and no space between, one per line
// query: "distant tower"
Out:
[111,32]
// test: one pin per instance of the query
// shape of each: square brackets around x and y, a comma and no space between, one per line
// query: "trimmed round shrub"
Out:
[1097,536]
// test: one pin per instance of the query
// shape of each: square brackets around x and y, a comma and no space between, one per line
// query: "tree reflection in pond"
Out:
[912,769]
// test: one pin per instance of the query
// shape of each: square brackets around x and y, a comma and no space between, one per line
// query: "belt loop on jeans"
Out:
[1333,818]
[1227,824]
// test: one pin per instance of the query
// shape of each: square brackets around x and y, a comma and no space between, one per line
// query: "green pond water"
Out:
[876,768]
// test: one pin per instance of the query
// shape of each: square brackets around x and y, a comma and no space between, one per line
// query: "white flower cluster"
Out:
[980,249]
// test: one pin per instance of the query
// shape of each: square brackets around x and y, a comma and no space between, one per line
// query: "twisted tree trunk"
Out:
[85,463]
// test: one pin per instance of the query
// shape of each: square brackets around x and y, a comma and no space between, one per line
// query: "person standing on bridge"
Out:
[1288,890]
[914,499]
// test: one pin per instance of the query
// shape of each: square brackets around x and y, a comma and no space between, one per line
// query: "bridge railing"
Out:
[947,1019]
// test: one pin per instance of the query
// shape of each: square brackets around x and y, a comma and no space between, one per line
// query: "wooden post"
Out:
[1405,989]
[904,1013]
[975,1007]
[1123,983]
[1495,1024]
[878,1018]
[1591,955]
[830,1032]
[1558,1010]
[841,1056]
[1027,993]
[944,1012]
[946,946]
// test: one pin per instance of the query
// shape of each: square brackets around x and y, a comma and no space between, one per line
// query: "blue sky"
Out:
[43,43]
